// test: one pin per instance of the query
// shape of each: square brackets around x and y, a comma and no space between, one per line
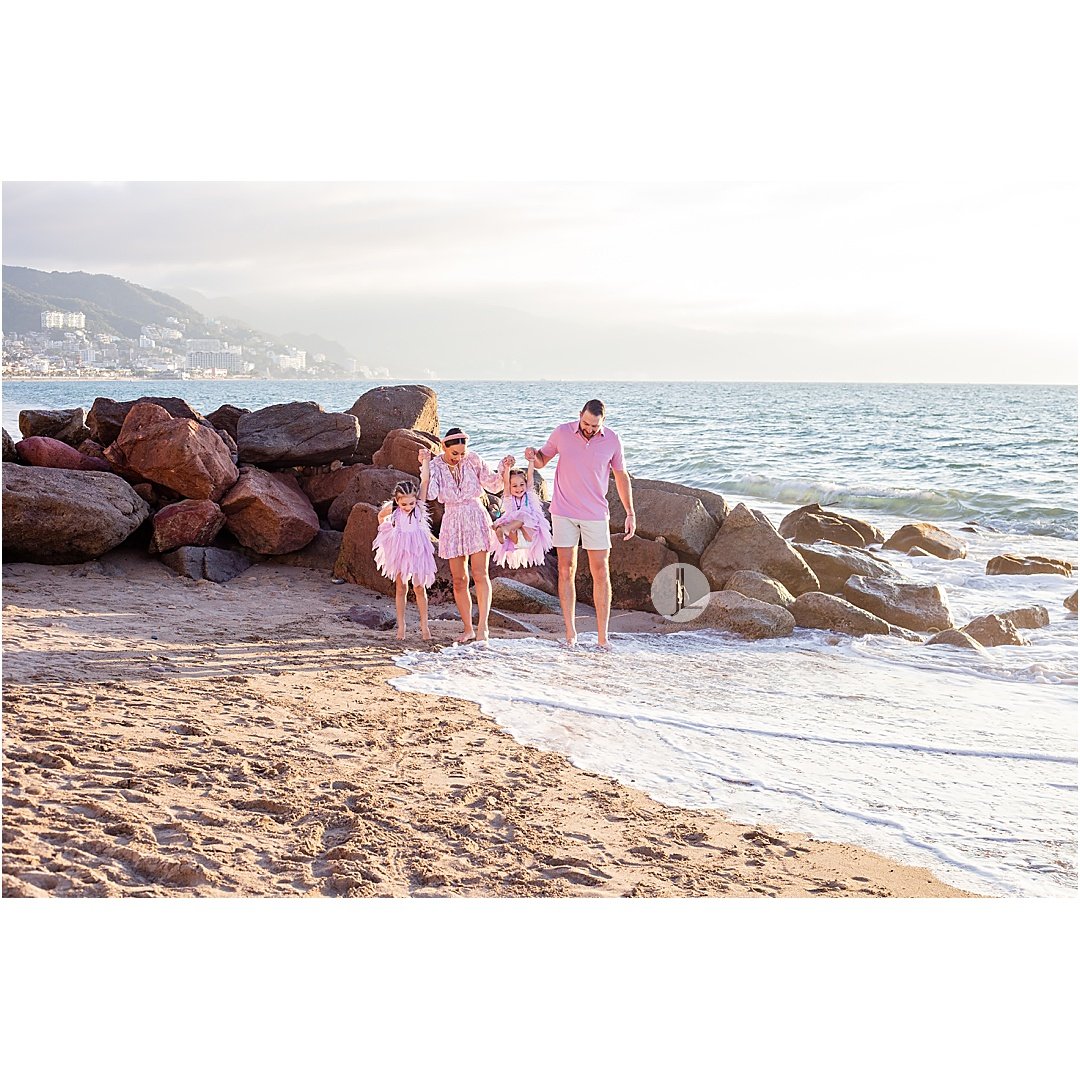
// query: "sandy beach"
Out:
[166,737]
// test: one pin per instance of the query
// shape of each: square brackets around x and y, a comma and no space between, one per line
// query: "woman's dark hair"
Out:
[594,406]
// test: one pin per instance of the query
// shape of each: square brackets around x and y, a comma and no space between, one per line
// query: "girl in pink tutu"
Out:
[458,478]
[404,551]
[522,529]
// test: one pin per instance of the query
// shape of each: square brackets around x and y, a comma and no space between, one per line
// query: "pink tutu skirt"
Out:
[525,552]
[403,549]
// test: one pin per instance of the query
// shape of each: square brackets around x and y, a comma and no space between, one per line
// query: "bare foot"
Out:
[425,633]
[400,635]
[604,646]
[570,643]
[465,635]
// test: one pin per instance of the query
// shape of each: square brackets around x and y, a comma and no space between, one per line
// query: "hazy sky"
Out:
[900,282]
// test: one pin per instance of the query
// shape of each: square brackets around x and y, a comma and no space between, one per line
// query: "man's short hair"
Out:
[594,406]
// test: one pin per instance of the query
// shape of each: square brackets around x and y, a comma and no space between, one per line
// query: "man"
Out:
[588,453]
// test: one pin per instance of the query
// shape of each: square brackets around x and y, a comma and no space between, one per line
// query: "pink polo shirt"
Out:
[582,471]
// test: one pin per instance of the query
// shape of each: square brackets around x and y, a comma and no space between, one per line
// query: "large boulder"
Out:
[191,522]
[748,541]
[369,485]
[743,615]
[544,577]
[1031,617]
[106,417]
[759,587]
[634,563]
[297,433]
[64,515]
[991,630]
[268,512]
[320,554]
[511,595]
[867,533]
[401,448]
[1028,564]
[714,504]
[820,611]
[355,562]
[914,607]
[65,425]
[956,638]
[9,447]
[206,563]
[834,564]
[680,518]
[225,417]
[322,484]
[385,408]
[814,527]
[49,453]
[179,454]
[929,539]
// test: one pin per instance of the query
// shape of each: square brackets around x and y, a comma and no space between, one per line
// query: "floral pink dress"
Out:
[525,553]
[403,547]
[466,524]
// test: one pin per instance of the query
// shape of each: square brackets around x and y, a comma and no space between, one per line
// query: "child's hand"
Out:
[424,456]
[530,453]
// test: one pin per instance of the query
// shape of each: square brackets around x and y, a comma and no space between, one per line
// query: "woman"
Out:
[458,478]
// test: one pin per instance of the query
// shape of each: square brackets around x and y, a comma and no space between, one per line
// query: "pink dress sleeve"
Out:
[434,471]
[489,480]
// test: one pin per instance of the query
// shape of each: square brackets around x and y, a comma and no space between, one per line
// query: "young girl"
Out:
[457,478]
[522,528]
[404,551]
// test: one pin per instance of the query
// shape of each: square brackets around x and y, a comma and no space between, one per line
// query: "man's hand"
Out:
[631,525]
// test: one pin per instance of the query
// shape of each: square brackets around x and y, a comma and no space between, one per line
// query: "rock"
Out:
[224,418]
[355,562]
[511,595]
[633,563]
[9,447]
[868,533]
[64,425]
[106,417]
[190,523]
[917,552]
[372,617]
[209,563]
[814,527]
[914,607]
[65,515]
[322,485]
[957,638]
[230,445]
[834,564]
[714,504]
[991,630]
[320,554]
[268,512]
[759,587]
[1070,601]
[385,408]
[400,450]
[93,449]
[49,453]
[298,433]
[181,455]
[544,577]
[820,611]
[499,620]
[1028,564]
[370,485]
[745,616]
[1026,618]
[929,538]
[680,519]
[748,541]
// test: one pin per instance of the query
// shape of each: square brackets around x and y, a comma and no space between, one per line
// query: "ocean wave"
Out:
[1001,513]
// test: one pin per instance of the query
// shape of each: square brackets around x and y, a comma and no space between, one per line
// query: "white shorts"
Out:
[566,532]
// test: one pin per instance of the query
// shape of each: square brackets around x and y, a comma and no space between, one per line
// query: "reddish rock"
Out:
[106,417]
[820,611]
[320,554]
[992,630]
[296,433]
[192,522]
[323,485]
[868,533]
[544,577]
[814,527]
[65,515]
[268,512]
[913,607]
[92,449]
[355,562]
[931,539]
[748,541]
[9,447]
[758,587]
[209,563]
[1028,564]
[224,418]
[369,485]
[1070,602]
[834,564]
[956,638]
[52,454]
[1026,618]
[64,425]
[400,450]
[713,504]
[385,408]
[634,563]
[178,454]
[743,615]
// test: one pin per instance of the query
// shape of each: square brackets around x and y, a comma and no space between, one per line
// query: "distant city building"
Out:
[88,357]
[57,320]
[146,342]
[295,362]
[227,358]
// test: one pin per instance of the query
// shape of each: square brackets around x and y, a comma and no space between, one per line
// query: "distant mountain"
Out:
[111,305]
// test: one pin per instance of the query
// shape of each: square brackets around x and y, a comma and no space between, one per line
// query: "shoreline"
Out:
[166,737]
